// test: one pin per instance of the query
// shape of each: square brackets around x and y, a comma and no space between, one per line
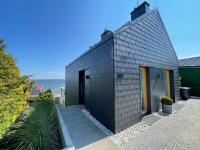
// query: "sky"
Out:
[45,35]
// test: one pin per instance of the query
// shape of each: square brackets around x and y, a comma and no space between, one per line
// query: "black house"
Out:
[124,75]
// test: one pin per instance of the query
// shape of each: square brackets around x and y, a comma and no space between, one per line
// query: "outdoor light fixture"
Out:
[87,77]
[119,76]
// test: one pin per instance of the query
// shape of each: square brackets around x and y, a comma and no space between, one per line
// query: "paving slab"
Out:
[104,144]
[177,106]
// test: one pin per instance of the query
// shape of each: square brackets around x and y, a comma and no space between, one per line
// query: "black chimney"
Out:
[140,10]
[106,34]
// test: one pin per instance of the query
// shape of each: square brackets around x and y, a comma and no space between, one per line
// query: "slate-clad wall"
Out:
[143,42]
[100,63]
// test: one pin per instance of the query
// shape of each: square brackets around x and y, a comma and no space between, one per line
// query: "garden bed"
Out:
[36,128]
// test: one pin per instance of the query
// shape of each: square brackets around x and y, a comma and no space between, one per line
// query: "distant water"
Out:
[53,84]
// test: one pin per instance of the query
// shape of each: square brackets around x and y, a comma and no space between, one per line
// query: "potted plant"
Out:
[167,104]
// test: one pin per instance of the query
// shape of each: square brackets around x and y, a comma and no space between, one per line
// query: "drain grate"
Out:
[151,119]
[177,107]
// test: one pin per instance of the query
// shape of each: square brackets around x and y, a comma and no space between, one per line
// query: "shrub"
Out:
[36,131]
[166,100]
[62,104]
[47,95]
[48,91]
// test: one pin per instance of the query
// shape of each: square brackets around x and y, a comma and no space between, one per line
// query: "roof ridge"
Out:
[190,58]
[127,24]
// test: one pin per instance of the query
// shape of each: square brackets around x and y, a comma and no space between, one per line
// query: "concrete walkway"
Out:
[104,144]
[83,132]
[180,131]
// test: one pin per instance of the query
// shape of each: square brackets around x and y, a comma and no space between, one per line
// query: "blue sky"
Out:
[45,35]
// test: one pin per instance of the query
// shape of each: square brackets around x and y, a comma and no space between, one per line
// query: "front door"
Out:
[143,91]
[82,87]
[87,90]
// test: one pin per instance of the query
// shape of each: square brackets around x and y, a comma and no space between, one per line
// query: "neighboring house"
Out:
[62,91]
[61,98]
[124,75]
[36,90]
[62,95]
[189,71]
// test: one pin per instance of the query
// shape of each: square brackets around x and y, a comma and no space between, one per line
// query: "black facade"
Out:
[97,68]
[112,75]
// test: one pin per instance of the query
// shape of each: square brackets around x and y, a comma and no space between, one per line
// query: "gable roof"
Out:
[140,21]
[123,28]
[120,29]
[190,62]
[130,23]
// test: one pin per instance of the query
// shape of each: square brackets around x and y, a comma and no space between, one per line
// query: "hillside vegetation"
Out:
[14,90]
[36,128]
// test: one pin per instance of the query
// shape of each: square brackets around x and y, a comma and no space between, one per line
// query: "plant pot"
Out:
[167,108]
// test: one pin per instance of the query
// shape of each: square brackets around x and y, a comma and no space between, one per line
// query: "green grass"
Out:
[33,131]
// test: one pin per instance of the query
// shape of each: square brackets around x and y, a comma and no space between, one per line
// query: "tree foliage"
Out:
[47,95]
[14,89]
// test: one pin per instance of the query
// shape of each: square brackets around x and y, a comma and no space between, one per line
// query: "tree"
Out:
[13,90]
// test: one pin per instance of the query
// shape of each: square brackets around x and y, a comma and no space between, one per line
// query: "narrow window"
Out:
[143,87]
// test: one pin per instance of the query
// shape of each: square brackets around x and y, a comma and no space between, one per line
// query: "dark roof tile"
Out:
[190,62]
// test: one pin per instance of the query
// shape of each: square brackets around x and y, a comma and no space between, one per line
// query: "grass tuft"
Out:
[35,131]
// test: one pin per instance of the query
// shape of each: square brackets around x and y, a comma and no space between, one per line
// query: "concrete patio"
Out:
[179,131]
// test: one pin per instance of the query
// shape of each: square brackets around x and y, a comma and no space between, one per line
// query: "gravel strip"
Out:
[129,133]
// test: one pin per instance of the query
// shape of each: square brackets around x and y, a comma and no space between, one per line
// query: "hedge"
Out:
[14,89]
